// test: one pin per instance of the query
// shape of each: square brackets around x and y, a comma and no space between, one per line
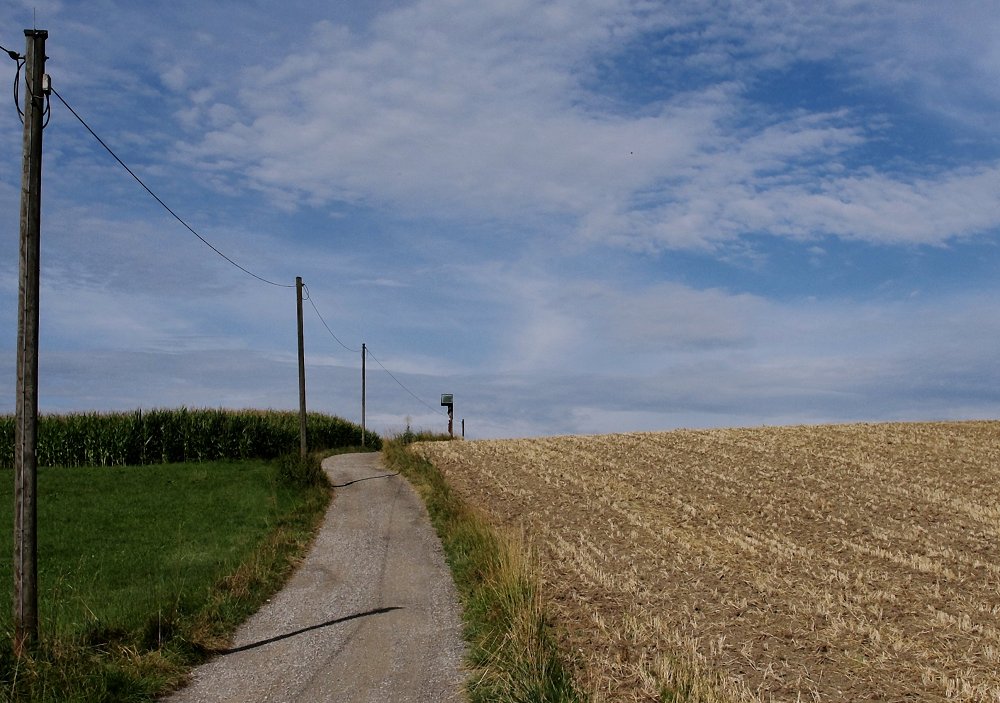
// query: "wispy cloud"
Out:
[577,216]
[490,119]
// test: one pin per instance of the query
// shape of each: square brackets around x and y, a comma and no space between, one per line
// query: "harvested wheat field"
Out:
[834,563]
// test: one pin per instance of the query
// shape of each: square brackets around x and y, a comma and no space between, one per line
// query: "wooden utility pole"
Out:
[26,412]
[364,353]
[303,447]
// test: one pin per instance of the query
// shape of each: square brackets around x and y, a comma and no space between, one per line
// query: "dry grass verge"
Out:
[512,650]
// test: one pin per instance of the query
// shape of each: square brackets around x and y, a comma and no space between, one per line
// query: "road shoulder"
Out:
[371,615]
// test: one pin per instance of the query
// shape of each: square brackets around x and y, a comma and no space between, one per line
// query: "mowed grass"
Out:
[144,570]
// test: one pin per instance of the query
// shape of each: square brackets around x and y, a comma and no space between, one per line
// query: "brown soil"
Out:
[829,563]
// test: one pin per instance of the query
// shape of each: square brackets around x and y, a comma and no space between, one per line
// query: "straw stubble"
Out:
[825,563]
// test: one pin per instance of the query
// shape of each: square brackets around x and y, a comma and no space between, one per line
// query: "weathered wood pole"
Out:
[26,406]
[364,354]
[303,447]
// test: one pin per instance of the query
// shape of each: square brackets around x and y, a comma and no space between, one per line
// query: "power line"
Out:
[368,349]
[19,60]
[336,339]
[419,399]
[160,201]
[177,217]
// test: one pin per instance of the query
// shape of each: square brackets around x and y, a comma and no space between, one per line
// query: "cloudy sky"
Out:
[577,216]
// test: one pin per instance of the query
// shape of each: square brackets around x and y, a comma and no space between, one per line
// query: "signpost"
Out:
[448,401]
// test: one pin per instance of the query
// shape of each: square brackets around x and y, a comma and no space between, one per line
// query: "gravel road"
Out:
[371,616]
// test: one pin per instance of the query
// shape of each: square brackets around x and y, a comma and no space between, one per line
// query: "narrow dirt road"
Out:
[371,615]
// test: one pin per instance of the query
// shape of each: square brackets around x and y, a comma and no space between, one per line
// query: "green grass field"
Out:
[143,570]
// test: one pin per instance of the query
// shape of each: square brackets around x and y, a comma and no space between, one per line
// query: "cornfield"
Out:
[164,436]
[836,563]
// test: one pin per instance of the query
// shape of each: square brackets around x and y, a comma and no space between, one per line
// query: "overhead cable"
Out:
[177,217]
[367,349]
[336,339]
[163,204]
[19,60]
[419,399]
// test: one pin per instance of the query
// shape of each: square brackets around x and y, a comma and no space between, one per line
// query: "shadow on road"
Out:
[278,638]
[359,480]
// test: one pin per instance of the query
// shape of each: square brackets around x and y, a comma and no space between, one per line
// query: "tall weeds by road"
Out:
[176,435]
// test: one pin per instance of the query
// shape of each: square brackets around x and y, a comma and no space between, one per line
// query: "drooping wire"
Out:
[47,110]
[418,398]
[228,259]
[17,82]
[163,204]
[20,64]
[367,349]
[335,338]
[47,114]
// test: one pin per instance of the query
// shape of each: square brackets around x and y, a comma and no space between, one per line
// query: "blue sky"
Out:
[587,216]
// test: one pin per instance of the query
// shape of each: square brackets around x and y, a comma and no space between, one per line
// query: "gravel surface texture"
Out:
[371,615]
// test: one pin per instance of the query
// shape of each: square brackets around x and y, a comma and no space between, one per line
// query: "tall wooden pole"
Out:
[26,412]
[303,447]
[364,354]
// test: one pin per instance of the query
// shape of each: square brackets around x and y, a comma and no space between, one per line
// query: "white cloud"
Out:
[800,363]
[943,55]
[478,110]
[651,357]
[491,154]
[866,206]
[175,77]
[874,207]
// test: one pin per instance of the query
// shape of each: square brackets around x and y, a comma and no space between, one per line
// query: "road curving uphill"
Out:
[370,616]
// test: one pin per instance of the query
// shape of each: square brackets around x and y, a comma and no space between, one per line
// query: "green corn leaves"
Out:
[165,436]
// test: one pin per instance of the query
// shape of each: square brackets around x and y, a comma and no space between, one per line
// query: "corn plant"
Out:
[175,435]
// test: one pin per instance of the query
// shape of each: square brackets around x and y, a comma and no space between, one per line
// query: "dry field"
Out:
[835,563]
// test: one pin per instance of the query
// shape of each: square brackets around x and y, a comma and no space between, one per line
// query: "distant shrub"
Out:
[408,436]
